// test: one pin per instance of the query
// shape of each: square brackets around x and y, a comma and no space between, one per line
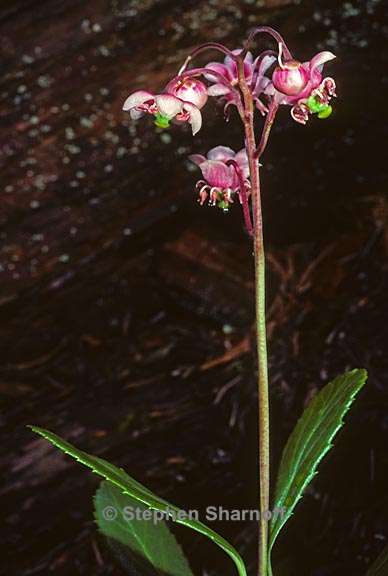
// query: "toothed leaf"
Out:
[145,542]
[140,493]
[311,438]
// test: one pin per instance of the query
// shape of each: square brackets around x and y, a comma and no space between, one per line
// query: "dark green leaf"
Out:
[121,518]
[134,489]
[310,440]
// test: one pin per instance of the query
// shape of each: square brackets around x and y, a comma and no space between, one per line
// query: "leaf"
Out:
[122,518]
[380,565]
[140,493]
[310,440]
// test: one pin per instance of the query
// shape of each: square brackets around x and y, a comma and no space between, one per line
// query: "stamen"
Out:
[202,193]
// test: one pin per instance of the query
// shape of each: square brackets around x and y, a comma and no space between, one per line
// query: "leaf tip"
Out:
[362,373]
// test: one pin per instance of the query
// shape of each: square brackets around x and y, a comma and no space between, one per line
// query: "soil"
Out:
[127,309]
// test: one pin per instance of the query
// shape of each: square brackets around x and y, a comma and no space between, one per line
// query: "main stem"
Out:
[254,153]
[261,341]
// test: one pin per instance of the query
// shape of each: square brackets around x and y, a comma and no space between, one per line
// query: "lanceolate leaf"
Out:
[310,440]
[380,566]
[121,518]
[133,488]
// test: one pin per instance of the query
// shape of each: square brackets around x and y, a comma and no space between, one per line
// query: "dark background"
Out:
[127,310]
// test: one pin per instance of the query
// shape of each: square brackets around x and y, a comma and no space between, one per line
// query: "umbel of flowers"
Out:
[271,79]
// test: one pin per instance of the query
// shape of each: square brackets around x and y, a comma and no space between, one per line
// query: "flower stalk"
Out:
[249,84]
[261,331]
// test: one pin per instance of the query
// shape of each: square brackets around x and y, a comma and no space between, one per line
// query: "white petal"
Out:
[168,106]
[320,59]
[136,114]
[137,98]
[195,117]
[218,90]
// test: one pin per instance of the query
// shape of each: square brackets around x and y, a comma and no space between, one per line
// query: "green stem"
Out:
[254,153]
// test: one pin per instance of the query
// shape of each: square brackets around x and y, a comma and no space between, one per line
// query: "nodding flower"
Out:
[181,102]
[302,86]
[189,90]
[226,79]
[225,173]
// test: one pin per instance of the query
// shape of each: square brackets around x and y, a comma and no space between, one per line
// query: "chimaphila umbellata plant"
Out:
[256,88]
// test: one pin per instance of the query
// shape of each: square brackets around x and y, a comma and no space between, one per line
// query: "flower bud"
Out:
[290,78]
[190,90]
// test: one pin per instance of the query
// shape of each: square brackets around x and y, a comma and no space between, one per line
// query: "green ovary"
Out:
[224,205]
[162,121]
[317,107]
[326,112]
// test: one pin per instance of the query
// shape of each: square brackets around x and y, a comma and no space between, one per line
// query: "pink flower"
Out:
[225,173]
[302,86]
[291,78]
[165,107]
[189,90]
[254,71]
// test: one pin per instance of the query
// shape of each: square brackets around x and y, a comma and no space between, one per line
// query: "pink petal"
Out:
[137,98]
[300,113]
[226,109]
[198,159]
[195,117]
[221,153]
[320,59]
[313,83]
[232,66]
[217,174]
[247,60]
[219,68]
[242,160]
[263,83]
[262,108]
[190,90]
[168,105]
[268,88]
[265,63]
[280,98]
